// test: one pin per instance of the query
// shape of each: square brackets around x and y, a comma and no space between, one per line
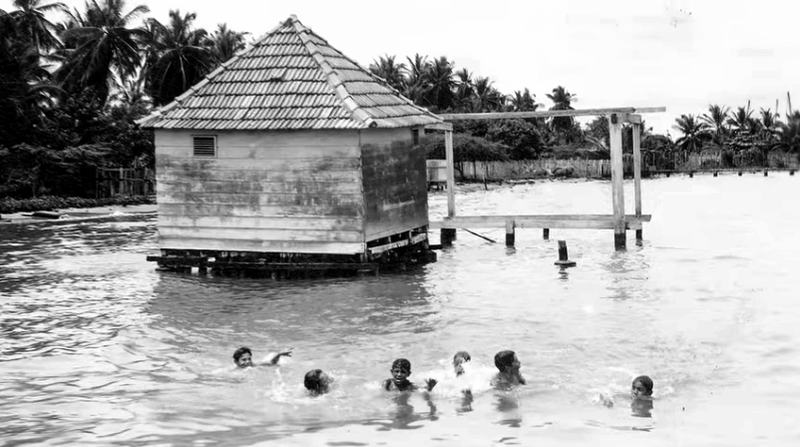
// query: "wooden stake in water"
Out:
[510,236]
[563,257]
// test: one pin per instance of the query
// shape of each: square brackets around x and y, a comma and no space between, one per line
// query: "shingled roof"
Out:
[290,79]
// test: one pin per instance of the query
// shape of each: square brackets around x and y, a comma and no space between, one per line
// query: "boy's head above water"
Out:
[507,362]
[243,357]
[317,381]
[459,359]
[401,369]
[642,386]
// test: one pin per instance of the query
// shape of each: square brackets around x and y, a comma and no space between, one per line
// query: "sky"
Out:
[679,54]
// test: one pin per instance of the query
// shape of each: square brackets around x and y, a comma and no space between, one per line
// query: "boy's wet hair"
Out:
[503,360]
[240,352]
[402,364]
[312,380]
[646,382]
[463,355]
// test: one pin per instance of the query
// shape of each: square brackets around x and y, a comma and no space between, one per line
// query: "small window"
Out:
[415,136]
[205,146]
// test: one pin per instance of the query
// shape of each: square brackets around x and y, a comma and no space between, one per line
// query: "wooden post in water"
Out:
[546,234]
[448,235]
[510,233]
[766,173]
[637,174]
[617,192]
[563,256]
[791,172]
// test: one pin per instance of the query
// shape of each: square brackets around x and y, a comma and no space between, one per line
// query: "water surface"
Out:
[97,348]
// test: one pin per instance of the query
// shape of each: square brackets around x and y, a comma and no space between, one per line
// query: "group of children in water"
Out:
[317,382]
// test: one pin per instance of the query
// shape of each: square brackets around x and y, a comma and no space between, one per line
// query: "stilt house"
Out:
[289,150]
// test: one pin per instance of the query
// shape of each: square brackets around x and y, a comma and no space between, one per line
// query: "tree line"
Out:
[71,90]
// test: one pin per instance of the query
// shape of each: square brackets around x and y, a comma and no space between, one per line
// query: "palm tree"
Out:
[741,119]
[789,134]
[715,118]
[391,72]
[694,131]
[523,101]
[562,100]
[486,98]
[30,18]
[24,85]
[226,43]
[101,47]
[131,92]
[769,123]
[180,59]
[465,88]
[439,75]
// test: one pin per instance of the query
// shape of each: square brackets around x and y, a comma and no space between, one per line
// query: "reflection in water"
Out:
[508,402]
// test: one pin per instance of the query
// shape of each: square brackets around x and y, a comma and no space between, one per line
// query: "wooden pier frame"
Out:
[618,221]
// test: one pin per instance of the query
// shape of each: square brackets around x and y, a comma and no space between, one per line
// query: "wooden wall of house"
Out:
[287,191]
[395,186]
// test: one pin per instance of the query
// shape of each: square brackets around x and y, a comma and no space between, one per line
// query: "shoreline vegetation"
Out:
[75,81]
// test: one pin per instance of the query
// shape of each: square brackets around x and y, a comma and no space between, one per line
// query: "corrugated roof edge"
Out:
[156,114]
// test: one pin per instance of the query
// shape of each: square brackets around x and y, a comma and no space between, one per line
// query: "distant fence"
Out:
[112,182]
[651,161]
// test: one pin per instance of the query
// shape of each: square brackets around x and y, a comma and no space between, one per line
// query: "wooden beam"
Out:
[577,221]
[451,182]
[617,190]
[630,118]
[440,126]
[548,113]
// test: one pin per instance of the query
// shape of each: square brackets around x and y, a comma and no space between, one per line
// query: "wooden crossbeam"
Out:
[440,126]
[570,221]
[550,113]
[415,239]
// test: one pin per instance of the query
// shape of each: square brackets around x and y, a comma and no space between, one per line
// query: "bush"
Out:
[520,136]
[50,203]
[465,148]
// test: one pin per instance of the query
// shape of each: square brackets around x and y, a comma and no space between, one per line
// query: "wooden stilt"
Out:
[563,256]
[617,192]
[691,174]
[447,236]
[637,174]
[510,233]
[451,182]
[546,234]
[766,173]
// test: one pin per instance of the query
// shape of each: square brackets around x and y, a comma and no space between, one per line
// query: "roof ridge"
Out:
[369,72]
[330,74]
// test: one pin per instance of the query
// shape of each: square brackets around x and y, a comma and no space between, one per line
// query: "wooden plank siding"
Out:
[270,191]
[395,184]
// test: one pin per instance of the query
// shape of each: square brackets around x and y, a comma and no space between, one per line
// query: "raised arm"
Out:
[273,357]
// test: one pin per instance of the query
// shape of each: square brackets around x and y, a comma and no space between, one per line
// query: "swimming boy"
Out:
[642,396]
[508,364]
[642,388]
[401,369]
[317,382]
[459,360]
[243,357]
